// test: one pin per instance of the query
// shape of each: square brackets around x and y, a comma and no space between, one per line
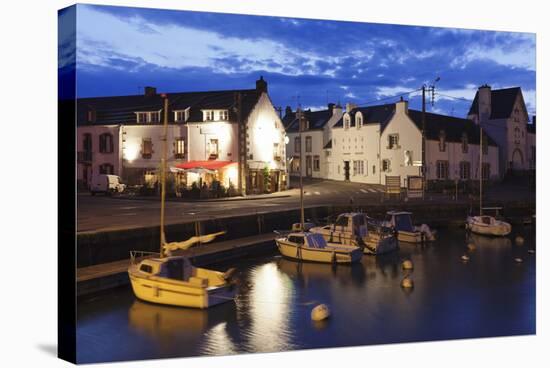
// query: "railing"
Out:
[84,156]
[138,255]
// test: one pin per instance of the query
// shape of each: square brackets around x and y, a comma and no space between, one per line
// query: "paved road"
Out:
[100,213]
[104,213]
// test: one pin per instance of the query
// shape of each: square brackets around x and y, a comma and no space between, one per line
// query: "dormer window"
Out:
[148,117]
[181,116]
[224,115]
[304,125]
[358,121]
[209,115]
[464,143]
[346,121]
[442,141]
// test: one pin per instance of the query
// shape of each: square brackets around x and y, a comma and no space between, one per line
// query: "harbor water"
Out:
[489,293]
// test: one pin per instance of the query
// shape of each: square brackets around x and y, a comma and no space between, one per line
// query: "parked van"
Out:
[107,184]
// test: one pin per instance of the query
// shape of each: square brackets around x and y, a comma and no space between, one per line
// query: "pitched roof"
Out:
[121,109]
[381,114]
[453,127]
[317,120]
[502,102]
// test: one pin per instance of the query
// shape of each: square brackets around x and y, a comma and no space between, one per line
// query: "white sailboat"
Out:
[302,245]
[485,224]
[173,280]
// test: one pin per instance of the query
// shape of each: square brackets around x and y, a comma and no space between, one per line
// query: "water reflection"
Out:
[305,273]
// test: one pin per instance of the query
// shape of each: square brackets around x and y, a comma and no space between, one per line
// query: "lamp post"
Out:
[431,88]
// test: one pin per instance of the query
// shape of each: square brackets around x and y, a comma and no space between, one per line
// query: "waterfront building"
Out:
[233,136]
[370,143]
[316,127]
[503,115]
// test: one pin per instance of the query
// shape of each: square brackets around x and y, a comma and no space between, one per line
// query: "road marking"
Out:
[364,191]
[129,208]
[317,193]
[125,214]
[372,190]
[307,193]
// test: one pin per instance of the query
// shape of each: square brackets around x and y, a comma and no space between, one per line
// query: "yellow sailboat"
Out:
[172,280]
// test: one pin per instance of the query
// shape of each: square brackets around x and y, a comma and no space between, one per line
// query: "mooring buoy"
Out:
[407,264]
[520,240]
[320,312]
[518,260]
[471,247]
[531,251]
[465,258]
[407,283]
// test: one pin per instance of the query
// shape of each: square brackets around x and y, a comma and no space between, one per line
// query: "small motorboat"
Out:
[306,246]
[174,281]
[358,229]
[488,225]
[401,223]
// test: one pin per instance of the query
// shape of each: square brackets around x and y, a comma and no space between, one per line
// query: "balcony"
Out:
[84,157]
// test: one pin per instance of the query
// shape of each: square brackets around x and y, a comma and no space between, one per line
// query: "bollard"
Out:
[407,264]
[520,240]
[407,283]
[320,312]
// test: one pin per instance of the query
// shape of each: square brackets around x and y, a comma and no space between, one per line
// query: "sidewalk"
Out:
[250,197]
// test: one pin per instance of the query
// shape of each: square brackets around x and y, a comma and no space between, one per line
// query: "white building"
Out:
[316,135]
[233,136]
[373,142]
[504,117]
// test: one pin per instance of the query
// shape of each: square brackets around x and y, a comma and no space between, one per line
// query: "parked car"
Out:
[107,184]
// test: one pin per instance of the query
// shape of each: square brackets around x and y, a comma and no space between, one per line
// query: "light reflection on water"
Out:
[490,295]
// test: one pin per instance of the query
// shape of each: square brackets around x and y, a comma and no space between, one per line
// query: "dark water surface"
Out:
[490,295]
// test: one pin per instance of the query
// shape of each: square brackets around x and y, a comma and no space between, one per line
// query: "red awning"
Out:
[209,165]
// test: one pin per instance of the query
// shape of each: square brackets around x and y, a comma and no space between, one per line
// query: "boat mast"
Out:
[299,113]
[480,169]
[163,174]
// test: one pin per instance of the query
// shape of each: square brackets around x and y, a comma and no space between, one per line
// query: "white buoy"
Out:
[465,258]
[520,240]
[518,260]
[407,283]
[320,312]
[531,251]
[471,247]
[407,264]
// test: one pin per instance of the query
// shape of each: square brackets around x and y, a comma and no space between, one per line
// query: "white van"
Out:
[107,184]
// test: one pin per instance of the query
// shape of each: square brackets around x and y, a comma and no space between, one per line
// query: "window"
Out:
[464,143]
[213,149]
[393,141]
[304,125]
[358,167]
[146,268]
[486,171]
[316,163]
[224,115]
[208,115]
[106,143]
[442,170]
[517,135]
[408,158]
[146,148]
[180,116]
[385,165]
[465,170]
[276,155]
[179,148]
[297,144]
[87,142]
[308,144]
[358,121]
[442,141]
[107,169]
[373,169]
[346,121]
[296,239]
[341,221]
[295,164]
[148,117]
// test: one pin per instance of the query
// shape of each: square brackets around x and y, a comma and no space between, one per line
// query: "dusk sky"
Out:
[121,50]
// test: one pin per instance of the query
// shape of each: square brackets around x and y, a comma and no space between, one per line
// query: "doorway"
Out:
[346,170]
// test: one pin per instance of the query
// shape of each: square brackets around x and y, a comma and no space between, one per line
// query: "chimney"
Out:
[484,102]
[331,108]
[261,85]
[288,110]
[150,91]
[350,106]
[402,107]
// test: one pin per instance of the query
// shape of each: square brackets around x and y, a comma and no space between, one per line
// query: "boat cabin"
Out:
[177,268]
[308,239]
[400,220]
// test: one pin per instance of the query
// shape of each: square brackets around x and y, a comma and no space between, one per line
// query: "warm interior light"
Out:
[131,152]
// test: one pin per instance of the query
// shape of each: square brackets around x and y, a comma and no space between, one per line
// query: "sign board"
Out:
[417,163]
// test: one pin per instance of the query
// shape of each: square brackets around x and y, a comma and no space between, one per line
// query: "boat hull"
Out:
[177,293]
[326,255]
[373,244]
[481,228]
[410,236]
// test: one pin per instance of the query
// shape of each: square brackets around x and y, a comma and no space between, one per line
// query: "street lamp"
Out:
[431,88]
